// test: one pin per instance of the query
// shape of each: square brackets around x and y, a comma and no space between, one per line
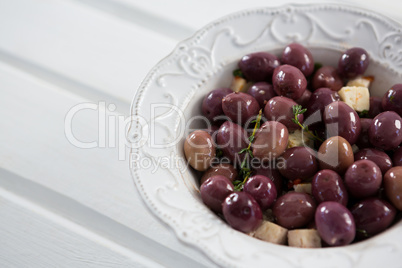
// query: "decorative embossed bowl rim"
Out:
[204,62]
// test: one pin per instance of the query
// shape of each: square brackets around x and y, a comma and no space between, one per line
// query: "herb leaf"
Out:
[245,170]
[297,110]
[238,73]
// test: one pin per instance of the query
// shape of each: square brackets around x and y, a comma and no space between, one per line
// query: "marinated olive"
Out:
[327,77]
[258,66]
[262,189]
[335,223]
[298,163]
[299,57]
[363,179]
[262,92]
[271,141]
[392,99]
[327,185]
[375,106]
[272,173]
[214,191]
[199,149]
[353,62]
[382,160]
[280,109]
[294,210]
[212,103]
[318,100]
[341,120]
[303,100]
[289,81]
[223,169]
[393,186]
[231,138]
[372,216]
[240,107]
[385,131]
[336,154]
[363,140]
[242,212]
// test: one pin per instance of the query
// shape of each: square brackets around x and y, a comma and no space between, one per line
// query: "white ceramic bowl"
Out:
[172,93]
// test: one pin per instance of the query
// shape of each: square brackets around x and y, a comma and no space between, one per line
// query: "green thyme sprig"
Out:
[245,170]
[297,110]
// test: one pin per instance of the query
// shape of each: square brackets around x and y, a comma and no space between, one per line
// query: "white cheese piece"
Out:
[302,188]
[304,238]
[356,97]
[359,82]
[271,232]
[298,138]
[239,84]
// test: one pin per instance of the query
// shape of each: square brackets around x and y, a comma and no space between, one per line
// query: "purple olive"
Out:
[363,140]
[242,212]
[262,92]
[382,160]
[363,179]
[223,169]
[270,141]
[298,163]
[303,100]
[289,81]
[212,103]
[392,99]
[341,120]
[299,57]
[280,109]
[214,191]
[372,216]
[385,131]
[240,107]
[335,223]
[375,106]
[327,77]
[327,185]
[353,62]
[232,138]
[294,210]
[318,100]
[268,170]
[262,189]
[393,186]
[258,66]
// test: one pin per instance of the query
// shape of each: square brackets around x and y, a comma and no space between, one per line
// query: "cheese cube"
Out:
[298,138]
[271,232]
[356,97]
[302,188]
[239,84]
[360,82]
[304,238]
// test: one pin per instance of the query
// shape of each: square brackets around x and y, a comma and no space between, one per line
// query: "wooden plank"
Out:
[31,237]
[81,44]
[34,146]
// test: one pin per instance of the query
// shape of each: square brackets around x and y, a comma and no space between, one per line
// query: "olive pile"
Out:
[301,147]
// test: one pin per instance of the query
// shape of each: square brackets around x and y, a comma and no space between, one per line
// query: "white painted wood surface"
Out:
[71,207]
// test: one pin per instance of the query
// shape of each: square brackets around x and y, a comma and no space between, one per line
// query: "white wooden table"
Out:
[62,205]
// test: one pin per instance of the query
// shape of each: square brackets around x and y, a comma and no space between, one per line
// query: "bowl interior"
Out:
[384,78]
